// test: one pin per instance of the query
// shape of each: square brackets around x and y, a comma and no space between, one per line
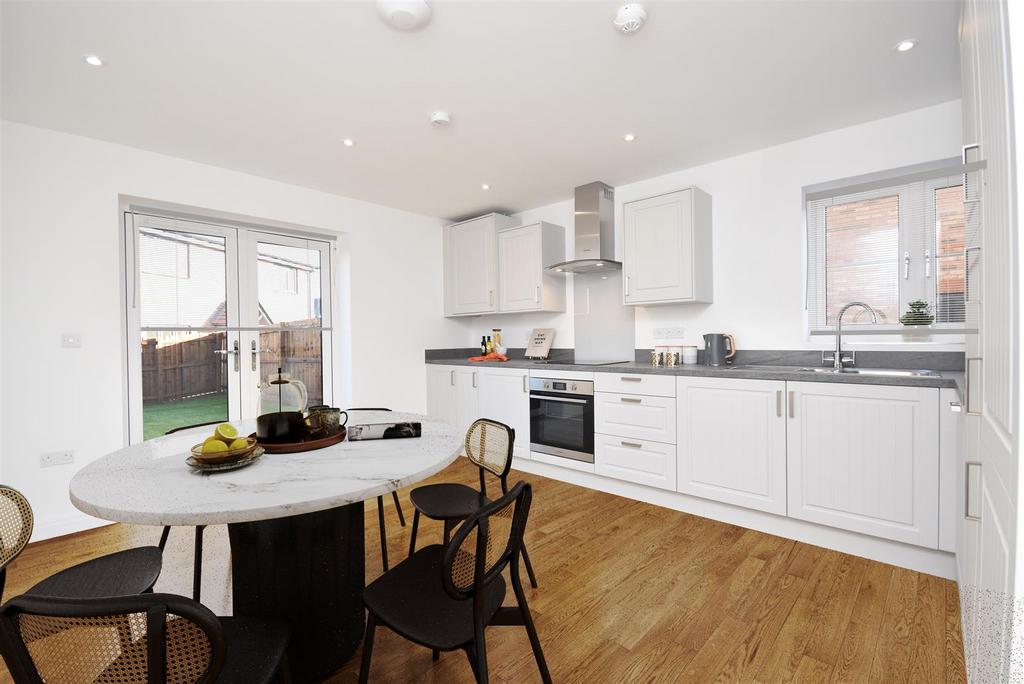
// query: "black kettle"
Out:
[718,348]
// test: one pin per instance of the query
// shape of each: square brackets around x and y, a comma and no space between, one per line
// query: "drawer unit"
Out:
[635,383]
[638,417]
[636,460]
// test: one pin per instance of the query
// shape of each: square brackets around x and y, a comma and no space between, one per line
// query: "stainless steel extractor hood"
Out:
[595,232]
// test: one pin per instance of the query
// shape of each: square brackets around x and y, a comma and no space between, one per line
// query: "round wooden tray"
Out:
[306,445]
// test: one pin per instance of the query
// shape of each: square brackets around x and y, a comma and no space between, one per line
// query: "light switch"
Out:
[70,340]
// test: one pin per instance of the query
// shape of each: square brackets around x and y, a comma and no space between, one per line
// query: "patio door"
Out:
[213,312]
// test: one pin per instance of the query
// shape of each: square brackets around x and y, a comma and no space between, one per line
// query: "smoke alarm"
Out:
[404,15]
[440,119]
[630,17]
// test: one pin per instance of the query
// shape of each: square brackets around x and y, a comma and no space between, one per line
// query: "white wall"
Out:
[758,232]
[60,271]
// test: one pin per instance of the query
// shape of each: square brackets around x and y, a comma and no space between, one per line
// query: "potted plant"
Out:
[919,313]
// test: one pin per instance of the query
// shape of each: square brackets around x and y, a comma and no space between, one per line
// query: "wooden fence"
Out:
[190,368]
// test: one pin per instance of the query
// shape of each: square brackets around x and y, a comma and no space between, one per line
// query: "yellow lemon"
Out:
[240,443]
[226,432]
[214,446]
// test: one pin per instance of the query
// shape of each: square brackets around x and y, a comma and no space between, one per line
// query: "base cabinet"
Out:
[634,460]
[732,441]
[505,397]
[865,458]
[441,393]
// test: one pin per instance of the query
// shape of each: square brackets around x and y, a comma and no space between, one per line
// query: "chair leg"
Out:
[284,671]
[480,650]
[529,568]
[415,526]
[398,507]
[447,532]
[531,630]
[163,537]
[197,567]
[471,656]
[435,655]
[383,534]
[364,667]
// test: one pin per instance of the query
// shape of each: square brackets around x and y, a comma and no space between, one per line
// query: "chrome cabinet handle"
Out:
[560,400]
[778,403]
[967,386]
[906,265]
[474,378]
[630,400]
[792,404]
[956,407]
[627,286]
[536,296]
[630,378]
[632,445]
[526,387]
[968,514]
[490,298]
[452,379]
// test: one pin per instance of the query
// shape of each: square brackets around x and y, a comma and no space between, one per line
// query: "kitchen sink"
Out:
[883,372]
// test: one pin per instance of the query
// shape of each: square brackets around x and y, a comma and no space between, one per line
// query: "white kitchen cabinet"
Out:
[865,458]
[505,397]
[667,248]
[635,383]
[635,416]
[471,265]
[467,397]
[636,460]
[524,283]
[732,441]
[441,393]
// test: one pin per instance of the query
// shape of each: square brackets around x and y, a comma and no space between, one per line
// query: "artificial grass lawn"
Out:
[157,419]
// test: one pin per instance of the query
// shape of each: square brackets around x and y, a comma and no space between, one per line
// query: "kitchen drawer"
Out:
[639,417]
[635,383]
[640,461]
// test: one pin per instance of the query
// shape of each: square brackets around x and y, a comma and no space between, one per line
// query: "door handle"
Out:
[967,386]
[906,265]
[235,351]
[969,513]
[792,404]
[254,351]
[778,403]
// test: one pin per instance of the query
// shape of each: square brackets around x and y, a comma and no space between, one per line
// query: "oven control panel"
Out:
[584,387]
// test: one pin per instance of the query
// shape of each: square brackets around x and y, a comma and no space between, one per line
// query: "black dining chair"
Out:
[145,638]
[489,445]
[380,508]
[132,571]
[444,597]
[197,547]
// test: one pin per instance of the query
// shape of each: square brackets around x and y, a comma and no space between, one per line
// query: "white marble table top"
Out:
[150,484]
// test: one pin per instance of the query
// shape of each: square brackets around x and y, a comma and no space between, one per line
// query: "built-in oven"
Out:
[562,418]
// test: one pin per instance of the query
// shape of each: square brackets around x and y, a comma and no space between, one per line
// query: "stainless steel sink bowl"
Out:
[882,372]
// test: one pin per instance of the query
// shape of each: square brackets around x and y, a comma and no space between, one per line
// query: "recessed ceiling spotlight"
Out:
[485,186]
[404,15]
[440,119]
[906,45]
[629,137]
[348,142]
[630,17]
[93,60]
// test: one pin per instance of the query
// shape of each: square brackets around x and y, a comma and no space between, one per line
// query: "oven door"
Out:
[562,425]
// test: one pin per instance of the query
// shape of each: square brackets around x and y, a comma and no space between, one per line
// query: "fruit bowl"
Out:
[224,456]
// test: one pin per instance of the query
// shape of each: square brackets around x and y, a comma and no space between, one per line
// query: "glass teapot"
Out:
[282,392]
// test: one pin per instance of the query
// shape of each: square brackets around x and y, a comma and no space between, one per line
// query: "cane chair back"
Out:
[15,524]
[489,445]
[486,542]
[117,640]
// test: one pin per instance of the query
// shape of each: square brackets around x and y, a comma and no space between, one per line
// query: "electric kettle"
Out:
[718,348]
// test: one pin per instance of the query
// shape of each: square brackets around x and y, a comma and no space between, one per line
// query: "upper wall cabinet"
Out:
[524,284]
[667,248]
[471,265]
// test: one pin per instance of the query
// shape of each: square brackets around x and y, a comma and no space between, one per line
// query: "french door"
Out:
[214,312]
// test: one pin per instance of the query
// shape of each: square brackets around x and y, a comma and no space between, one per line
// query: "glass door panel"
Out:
[185,305]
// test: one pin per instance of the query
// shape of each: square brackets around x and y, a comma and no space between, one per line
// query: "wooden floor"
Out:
[630,592]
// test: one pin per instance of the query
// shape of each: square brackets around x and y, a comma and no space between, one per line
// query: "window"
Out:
[886,245]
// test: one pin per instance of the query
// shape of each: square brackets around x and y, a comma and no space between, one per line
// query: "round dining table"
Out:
[295,521]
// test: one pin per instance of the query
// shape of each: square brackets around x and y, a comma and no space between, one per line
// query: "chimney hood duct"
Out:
[595,232]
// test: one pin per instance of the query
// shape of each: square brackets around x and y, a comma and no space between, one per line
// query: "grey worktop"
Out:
[952,379]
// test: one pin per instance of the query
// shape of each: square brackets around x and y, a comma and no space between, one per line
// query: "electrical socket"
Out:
[56,458]
[669,333]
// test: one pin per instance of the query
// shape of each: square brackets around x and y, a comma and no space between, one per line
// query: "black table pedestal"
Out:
[308,569]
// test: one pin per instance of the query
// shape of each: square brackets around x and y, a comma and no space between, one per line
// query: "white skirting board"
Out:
[68,525]
[930,561]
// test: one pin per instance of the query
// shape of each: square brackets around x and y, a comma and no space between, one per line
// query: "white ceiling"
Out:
[540,93]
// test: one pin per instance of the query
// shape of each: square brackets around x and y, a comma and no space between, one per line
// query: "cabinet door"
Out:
[441,393]
[469,267]
[505,397]
[732,441]
[658,249]
[520,272]
[636,460]
[467,408]
[636,416]
[865,458]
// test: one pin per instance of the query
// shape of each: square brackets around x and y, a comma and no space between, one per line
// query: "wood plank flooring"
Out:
[630,592]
